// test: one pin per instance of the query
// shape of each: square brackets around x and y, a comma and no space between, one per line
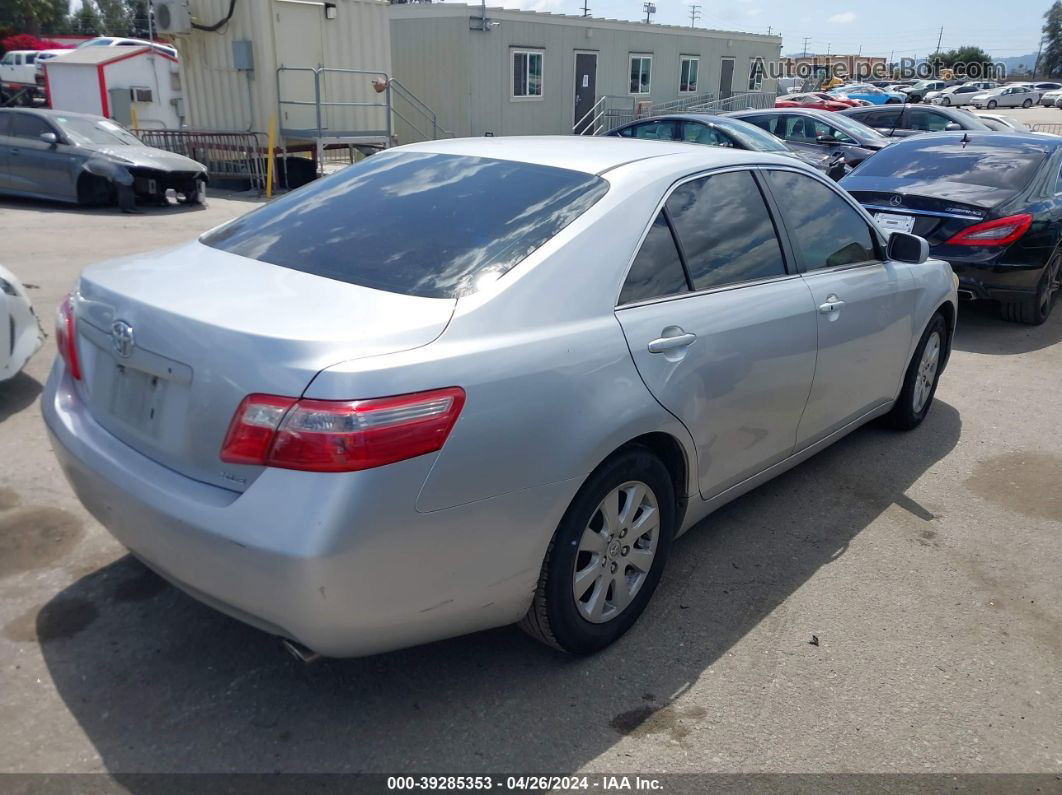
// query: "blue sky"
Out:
[907,28]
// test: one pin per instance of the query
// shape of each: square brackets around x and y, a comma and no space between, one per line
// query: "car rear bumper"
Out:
[998,282]
[342,563]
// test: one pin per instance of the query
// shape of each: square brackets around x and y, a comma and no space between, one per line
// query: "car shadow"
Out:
[17,393]
[172,208]
[982,330]
[160,683]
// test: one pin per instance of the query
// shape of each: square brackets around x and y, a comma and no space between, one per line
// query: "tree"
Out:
[138,13]
[1050,62]
[114,16]
[86,20]
[34,16]
[967,60]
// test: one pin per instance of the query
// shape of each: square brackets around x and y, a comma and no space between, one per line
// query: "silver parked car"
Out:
[467,383]
[1019,96]
[78,157]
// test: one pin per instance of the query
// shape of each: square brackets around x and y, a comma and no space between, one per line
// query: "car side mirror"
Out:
[952,126]
[903,247]
[49,138]
[825,139]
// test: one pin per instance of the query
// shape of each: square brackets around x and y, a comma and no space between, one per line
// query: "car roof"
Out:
[819,114]
[591,154]
[52,114]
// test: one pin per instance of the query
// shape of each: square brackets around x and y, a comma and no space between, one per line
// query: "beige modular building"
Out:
[262,60]
[501,72]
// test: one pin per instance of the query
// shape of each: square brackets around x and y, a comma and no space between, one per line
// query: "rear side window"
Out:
[825,228]
[657,270]
[927,120]
[416,223]
[666,130]
[725,230]
[879,118]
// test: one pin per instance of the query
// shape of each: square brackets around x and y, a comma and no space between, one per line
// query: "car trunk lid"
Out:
[940,209]
[170,344]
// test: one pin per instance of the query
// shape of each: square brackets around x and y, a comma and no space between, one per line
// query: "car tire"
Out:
[892,102]
[1027,103]
[922,376]
[198,194]
[1035,311]
[571,613]
[946,101]
[94,191]
[991,104]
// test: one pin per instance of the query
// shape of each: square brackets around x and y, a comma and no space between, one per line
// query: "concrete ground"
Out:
[890,605]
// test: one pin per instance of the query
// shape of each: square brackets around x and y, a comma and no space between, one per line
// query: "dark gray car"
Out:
[77,157]
[818,131]
[901,121]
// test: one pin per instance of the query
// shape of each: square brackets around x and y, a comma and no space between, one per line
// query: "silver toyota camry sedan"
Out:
[468,383]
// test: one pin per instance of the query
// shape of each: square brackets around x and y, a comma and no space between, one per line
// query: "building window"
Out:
[756,74]
[527,74]
[688,75]
[641,73]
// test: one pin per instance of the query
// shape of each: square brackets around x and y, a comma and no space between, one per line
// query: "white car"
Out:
[956,95]
[1006,97]
[120,41]
[20,331]
[1049,98]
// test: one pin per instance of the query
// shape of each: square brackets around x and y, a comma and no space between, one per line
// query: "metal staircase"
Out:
[610,112]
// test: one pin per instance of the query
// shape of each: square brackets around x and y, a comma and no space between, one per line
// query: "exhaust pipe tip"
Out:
[300,652]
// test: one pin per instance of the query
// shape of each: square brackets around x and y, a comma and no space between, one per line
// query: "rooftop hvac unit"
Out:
[173,16]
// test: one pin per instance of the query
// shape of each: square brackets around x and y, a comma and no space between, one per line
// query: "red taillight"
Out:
[999,232]
[340,435]
[66,338]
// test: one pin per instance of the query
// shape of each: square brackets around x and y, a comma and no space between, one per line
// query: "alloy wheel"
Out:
[1051,285]
[927,372]
[616,552]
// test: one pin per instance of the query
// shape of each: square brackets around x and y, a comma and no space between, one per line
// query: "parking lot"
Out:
[889,606]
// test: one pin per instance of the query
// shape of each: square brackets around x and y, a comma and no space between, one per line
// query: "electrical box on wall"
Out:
[243,55]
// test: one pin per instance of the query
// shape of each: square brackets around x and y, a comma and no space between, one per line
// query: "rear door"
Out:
[5,150]
[722,333]
[864,304]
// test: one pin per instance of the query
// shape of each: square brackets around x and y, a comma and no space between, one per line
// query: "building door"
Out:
[585,92]
[299,49]
[726,78]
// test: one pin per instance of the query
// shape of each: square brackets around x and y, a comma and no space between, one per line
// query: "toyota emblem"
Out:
[122,337]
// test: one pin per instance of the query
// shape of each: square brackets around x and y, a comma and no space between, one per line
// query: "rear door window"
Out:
[667,130]
[695,133]
[416,223]
[657,269]
[826,229]
[927,120]
[725,230]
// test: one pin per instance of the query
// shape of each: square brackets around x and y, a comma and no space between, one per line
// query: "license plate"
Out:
[891,222]
[137,398]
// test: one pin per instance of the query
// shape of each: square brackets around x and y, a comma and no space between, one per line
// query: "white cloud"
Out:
[752,12]
[843,18]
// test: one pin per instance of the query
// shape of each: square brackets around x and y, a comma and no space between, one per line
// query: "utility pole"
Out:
[769,30]
[695,14]
[586,8]
[1036,64]
[806,40]
[939,37]
[649,9]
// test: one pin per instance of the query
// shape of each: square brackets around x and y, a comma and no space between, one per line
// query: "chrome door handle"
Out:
[833,304]
[665,344]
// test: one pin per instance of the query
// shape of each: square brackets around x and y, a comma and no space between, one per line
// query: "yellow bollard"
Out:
[269,163]
[132,116]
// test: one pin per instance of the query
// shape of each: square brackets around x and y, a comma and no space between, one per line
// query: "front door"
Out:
[726,78]
[734,358]
[35,166]
[585,92]
[299,54]
[864,304]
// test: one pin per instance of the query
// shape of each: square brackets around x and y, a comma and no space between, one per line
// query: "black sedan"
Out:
[817,131]
[987,203]
[901,121]
[705,128]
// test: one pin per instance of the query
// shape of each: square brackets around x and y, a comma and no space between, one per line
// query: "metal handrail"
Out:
[424,110]
[594,118]
[317,103]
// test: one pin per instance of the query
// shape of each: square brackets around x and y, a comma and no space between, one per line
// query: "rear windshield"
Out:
[932,159]
[414,223]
